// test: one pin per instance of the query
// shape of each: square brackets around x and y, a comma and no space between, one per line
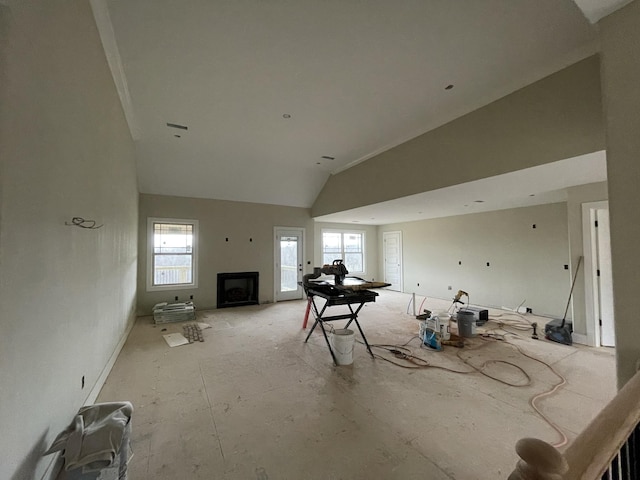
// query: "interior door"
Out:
[392,242]
[605,279]
[288,263]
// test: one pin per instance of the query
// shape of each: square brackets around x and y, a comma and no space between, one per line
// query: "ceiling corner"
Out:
[110,46]
[595,10]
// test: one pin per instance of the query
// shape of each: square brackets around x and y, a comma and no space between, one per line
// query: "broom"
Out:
[557,331]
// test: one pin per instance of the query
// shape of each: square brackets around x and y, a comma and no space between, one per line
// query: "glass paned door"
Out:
[288,264]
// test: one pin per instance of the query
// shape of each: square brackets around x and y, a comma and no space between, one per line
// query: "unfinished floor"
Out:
[255,402]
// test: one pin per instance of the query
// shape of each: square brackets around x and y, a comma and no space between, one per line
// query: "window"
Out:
[348,246]
[172,259]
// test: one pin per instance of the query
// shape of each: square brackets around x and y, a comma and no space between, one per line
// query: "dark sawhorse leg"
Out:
[318,316]
[354,318]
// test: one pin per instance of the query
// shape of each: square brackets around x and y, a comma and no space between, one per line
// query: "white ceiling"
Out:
[594,10]
[355,77]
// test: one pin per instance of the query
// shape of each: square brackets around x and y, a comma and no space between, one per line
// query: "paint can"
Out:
[343,340]
[445,331]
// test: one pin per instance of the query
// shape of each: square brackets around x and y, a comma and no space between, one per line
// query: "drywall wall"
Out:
[370,247]
[220,220]
[555,118]
[576,196]
[620,41]
[67,294]
[525,263]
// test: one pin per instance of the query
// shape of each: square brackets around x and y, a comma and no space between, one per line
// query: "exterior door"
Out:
[605,279]
[288,263]
[392,245]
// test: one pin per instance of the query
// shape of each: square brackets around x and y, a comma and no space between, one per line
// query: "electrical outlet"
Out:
[449,287]
[83,381]
[176,298]
[529,310]
[418,284]
[190,297]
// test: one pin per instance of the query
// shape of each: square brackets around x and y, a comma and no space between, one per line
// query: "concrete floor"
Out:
[255,402]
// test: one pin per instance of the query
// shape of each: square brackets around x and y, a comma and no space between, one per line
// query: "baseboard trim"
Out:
[579,338]
[95,391]
[56,459]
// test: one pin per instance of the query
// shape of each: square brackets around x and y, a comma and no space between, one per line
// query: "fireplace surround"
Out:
[237,289]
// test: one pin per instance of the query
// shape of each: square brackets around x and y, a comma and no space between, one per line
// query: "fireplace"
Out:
[237,289]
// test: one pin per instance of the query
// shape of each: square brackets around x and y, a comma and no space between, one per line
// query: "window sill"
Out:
[165,288]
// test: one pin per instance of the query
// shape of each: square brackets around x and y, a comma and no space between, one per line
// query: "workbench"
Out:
[334,296]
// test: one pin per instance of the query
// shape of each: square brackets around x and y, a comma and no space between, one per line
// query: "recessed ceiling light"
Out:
[286,115]
[478,201]
[448,87]
[327,157]
[178,136]
[318,163]
[532,195]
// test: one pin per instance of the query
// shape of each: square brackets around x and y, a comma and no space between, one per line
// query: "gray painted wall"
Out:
[525,263]
[218,220]
[556,118]
[620,41]
[67,295]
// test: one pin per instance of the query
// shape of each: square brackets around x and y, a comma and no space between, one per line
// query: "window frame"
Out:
[151,221]
[363,233]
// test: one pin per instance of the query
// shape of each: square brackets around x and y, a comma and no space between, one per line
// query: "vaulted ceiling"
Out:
[260,101]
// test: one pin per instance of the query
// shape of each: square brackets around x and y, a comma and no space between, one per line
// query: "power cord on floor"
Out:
[482,367]
[404,353]
[401,352]
[533,400]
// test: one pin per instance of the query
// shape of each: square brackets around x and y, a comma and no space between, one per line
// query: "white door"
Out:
[392,245]
[604,280]
[288,263]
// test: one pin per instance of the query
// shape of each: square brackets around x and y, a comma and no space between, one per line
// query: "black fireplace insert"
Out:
[237,289]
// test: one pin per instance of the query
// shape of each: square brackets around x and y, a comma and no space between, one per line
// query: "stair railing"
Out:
[608,449]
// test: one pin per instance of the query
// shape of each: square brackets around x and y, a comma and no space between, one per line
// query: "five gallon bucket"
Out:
[465,323]
[443,320]
[343,340]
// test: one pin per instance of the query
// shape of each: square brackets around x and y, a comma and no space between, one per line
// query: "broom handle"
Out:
[573,284]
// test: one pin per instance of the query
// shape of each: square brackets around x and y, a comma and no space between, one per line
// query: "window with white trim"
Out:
[345,245]
[172,254]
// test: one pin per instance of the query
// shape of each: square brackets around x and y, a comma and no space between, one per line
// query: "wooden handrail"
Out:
[591,453]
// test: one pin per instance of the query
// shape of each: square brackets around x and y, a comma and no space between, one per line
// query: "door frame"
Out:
[384,263]
[276,256]
[591,287]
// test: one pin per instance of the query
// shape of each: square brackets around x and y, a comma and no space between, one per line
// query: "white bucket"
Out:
[343,340]
[445,331]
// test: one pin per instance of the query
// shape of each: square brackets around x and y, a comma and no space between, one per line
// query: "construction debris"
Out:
[174,312]
[193,332]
